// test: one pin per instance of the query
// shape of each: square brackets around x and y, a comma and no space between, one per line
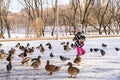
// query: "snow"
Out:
[93,66]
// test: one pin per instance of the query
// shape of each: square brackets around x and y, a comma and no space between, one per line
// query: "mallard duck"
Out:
[104,45]
[51,68]
[9,67]
[36,63]
[2,54]
[22,48]
[26,61]
[23,55]
[73,71]
[28,44]
[17,45]
[12,51]
[0,45]
[9,58]
[77,60]
[42,50]
[64,58]
[30,50]
[62,43]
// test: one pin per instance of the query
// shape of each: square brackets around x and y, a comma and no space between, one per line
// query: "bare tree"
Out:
[4,9]
[34,9]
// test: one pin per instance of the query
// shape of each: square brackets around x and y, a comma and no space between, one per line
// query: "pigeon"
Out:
[102,52]
[9,67]
[73,46]
[49,46]
[66,47]
[51,55]
[91,49]
[64,58]
[117,49]
[96,49]
[28,44]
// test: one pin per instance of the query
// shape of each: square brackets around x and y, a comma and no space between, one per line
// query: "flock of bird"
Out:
[36,62]
[103,52]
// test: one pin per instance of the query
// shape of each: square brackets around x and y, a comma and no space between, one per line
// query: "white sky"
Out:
[15,6]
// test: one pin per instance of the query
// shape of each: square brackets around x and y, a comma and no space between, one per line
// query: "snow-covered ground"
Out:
[93,65]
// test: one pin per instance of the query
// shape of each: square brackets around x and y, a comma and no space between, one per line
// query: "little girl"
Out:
[79,40]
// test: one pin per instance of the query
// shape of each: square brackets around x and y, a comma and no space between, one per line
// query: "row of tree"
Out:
[93,15]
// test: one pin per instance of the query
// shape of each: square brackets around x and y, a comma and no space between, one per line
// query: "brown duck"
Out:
[12,51]
[77,60]
[26,61]
[104,45]
[30,50]
[17,45]
[51,68]
[2,54]
[73,71]
[36,63]
[9,58]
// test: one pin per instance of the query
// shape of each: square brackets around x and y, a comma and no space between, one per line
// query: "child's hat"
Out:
[79,27]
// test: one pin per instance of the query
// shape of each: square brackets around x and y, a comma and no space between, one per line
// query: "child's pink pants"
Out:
[80,51]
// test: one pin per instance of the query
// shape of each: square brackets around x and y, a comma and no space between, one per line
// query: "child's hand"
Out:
[81,40]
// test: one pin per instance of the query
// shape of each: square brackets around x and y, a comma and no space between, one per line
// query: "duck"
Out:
[12,51]
[42,50]
[51,68]
[0,45]
[73,71]
[28,45]
[64,58]
[62,43]
[102,52]
[51,55]
[36,63]
[2,54]
[104,45]
[26,61]
[23,55]
[9,66]
[22,48]
[17,45]
[30,50]
[9,58]
[77,60]
[49,46]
